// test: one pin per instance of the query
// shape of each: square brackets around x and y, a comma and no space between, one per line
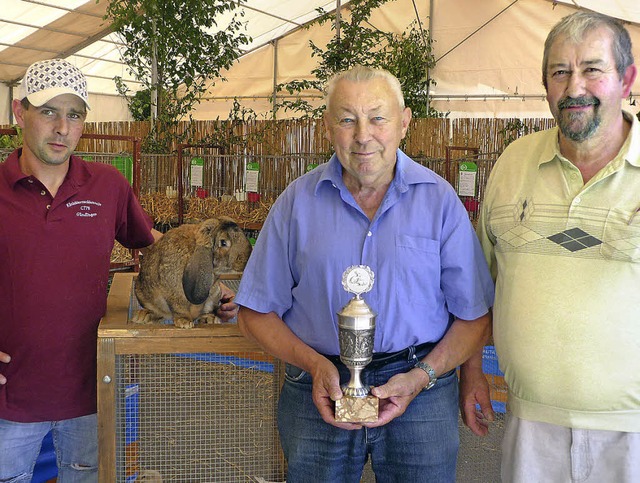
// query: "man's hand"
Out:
[395,396]
[6,358]
[474,389]
[326,390]
[227,309]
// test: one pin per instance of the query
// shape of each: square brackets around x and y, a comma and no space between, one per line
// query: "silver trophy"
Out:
[356,329]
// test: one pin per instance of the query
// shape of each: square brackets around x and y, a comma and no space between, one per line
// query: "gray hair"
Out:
[360,73]
[576,25]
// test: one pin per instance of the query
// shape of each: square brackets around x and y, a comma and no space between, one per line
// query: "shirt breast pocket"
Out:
[418,270]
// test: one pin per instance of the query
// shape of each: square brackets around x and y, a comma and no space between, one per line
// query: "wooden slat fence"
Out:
[285,148]
[492,135]
[426,137]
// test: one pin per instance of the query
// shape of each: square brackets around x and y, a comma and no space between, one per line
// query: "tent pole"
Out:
[275,77]
[154,75]
[10,103]
[154,72]
[431,2]
[338,7]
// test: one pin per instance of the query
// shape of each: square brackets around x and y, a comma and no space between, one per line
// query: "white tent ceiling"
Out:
[488,55]
[489,59]
[32,30]
[38,29]
[488,52]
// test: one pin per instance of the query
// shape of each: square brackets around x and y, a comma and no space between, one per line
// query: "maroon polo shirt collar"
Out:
[77,173]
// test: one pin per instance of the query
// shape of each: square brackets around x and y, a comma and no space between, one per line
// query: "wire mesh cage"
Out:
[196,417]
[123,161]
[196,405]
[479,457]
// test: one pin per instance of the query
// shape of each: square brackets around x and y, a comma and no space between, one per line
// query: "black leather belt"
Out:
[380,359]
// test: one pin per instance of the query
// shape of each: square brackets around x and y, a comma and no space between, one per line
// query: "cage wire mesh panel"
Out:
[123,162]
[479,457]
[223,174]
[484,165]
[197,417]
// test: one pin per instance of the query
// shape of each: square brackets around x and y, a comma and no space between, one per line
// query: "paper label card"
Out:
[467,178]
[197,169]
[252,174]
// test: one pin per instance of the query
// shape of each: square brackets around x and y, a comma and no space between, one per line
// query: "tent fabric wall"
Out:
[252,78]
[294,61]
[116,106]
[79,31]
[488,53]
[503,60]
[628,10]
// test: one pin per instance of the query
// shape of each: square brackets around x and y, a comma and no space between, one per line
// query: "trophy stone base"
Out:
[357,409]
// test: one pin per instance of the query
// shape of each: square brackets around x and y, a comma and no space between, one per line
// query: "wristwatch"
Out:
[430,372]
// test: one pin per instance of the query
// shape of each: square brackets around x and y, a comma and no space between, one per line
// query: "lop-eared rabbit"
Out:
[179,273]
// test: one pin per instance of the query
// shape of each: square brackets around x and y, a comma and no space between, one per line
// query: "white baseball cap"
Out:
[47,79]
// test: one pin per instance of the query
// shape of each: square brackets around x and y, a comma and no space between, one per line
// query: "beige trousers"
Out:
[535,452]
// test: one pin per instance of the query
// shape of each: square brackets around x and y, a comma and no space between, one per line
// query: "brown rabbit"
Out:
[179,274]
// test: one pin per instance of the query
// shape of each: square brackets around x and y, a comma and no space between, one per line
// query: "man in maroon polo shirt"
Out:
[59,217]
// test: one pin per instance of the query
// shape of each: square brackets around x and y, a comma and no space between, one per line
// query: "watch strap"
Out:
[430,372]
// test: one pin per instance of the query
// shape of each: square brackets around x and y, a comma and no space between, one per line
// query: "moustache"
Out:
[578,101]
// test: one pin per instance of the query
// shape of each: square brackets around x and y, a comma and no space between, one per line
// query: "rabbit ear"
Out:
[198,276]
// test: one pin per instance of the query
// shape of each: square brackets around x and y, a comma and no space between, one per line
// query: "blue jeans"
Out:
[75,441]
[419,446]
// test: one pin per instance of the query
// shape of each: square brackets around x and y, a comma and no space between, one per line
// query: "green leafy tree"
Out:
[140,105]
[406,55]
[189,48]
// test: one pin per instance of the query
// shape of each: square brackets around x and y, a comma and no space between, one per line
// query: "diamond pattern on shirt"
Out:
[523,210]
[575,239]
[520,235]
[627,247]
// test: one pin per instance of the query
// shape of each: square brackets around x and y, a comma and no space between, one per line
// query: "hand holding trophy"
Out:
[356,329]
